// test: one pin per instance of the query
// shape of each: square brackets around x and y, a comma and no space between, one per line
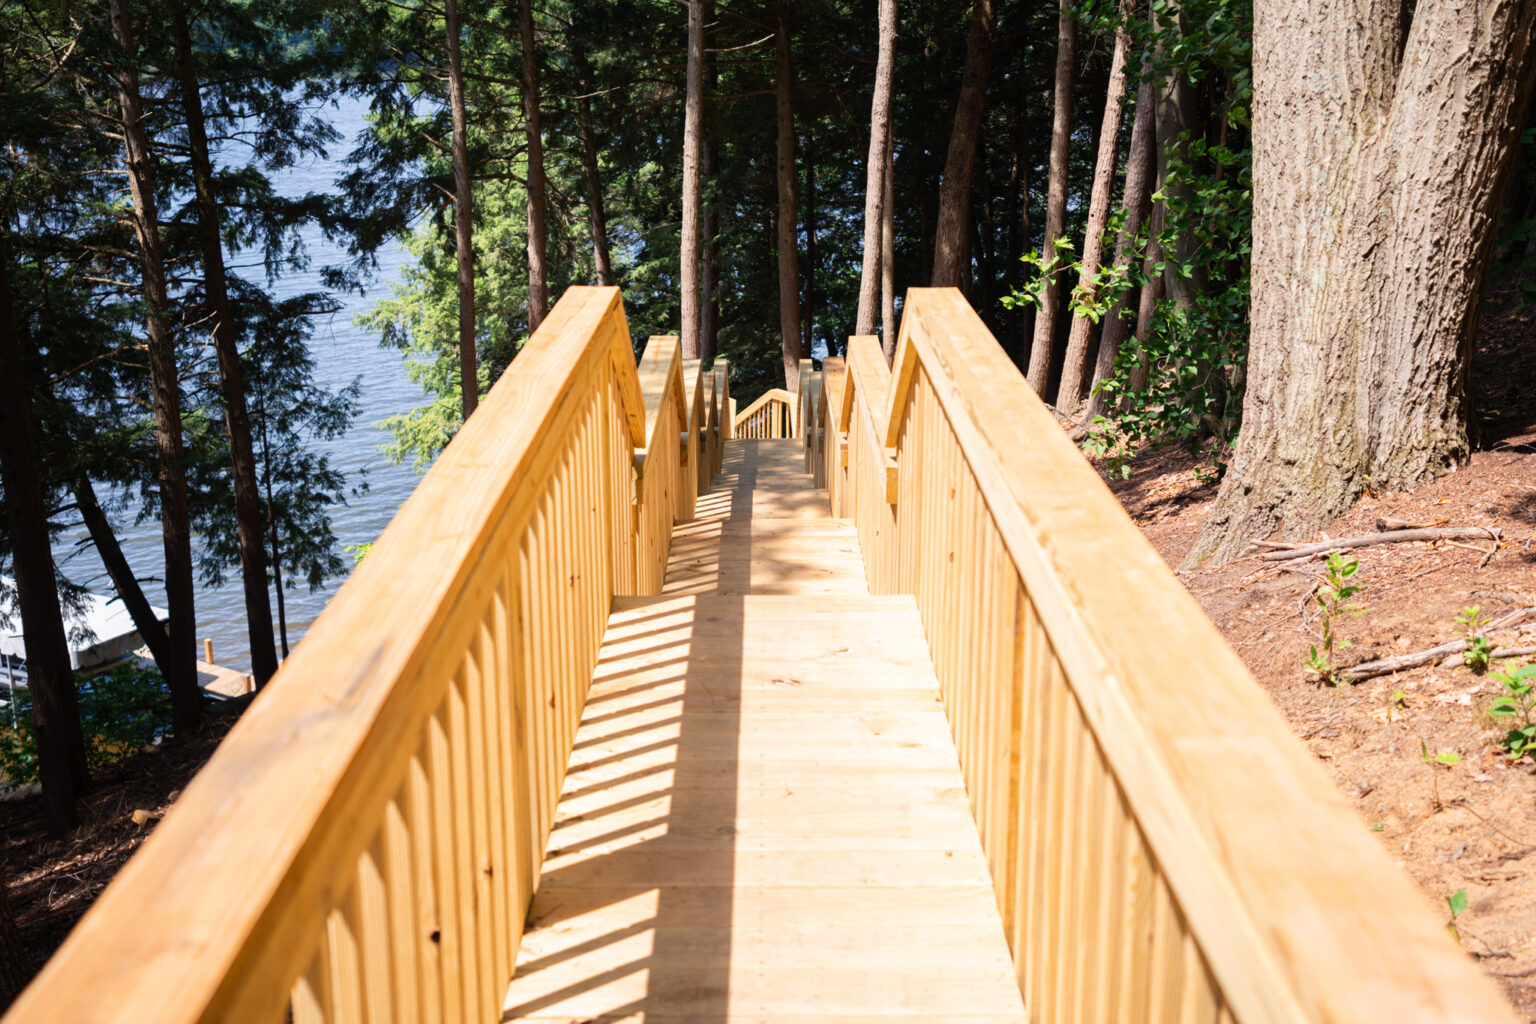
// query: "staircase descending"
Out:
[868,703]
[764,817]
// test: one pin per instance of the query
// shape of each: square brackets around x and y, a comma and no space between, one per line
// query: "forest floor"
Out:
[54,881]
[1469,825]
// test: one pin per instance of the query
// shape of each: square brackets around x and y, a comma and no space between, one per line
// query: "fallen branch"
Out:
[1398,663]
[1384,525]
[1389,537]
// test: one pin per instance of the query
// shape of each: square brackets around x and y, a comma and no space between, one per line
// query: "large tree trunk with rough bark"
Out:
[1376,166]
[693,132]
[15,964]
[1043,347]
[1074,371]
[1137,199]
[237,421]
[538,270]
[463,216]
[875,169]
[789,256]
[55,713]
[175,525]
[596,212]
[955,191]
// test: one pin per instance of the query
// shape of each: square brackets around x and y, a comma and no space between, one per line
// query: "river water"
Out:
[341,351]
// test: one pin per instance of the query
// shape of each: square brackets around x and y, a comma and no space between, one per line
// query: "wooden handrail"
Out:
[771,415]
[1161,844]
[364,843]
[833,473]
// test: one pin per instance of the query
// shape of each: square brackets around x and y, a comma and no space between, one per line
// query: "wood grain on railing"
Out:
[364,844]
[1162,846]
[771,415]
[724,407]
[659,466]
[871,470]
[833,473]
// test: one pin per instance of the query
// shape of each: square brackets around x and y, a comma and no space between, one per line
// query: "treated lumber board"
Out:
[760,827]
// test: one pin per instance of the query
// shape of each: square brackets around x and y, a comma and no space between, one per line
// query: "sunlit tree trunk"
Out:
[596,212]
[175,526]
[693,130]
[463,216]
[1074,370]
[1138,195]
[955,191]
[709,213]
[1376,170]
[876,166]
[1043,346]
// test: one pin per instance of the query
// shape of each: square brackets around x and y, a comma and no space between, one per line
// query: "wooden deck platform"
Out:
[764,818]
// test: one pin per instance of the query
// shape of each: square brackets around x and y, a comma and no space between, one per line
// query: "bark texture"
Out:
[789,256]
[596,212]
[888,262]
[693,115]
[1043,347]
[55,712]
[876,168]
[237,420]
[538,271]
[955,192]
[1074,371]
[1137,198]
[175,526]
[463,217]
[1376,167]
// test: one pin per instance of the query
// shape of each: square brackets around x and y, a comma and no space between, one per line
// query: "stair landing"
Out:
[764,819]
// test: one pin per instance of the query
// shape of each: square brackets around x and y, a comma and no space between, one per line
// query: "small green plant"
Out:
[1332,597]
[1479,648]
[1516,706]
[1445,757]
[1378,826]
[121,711]
[1457,901]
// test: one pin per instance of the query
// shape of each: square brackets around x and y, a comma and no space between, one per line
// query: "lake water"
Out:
[341,352]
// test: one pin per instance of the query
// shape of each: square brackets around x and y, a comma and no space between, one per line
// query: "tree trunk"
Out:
[1138,196]
[55,712]
[888,261]
[789,256]
[1151,295]
[594,181]
[121,573]
[176,531]
[463,217]
[15,964]
[1074,371]
[538,273]
[237,421]
[955,192]
[1178,116]
[811,255]
[876,166]
[1376,168]
[693,129]
[1043,347]
[709,214]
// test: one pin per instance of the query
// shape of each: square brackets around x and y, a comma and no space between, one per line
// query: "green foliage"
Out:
[1479,648]
[1443,757]
[121,711]
[1517,706]
[1457,903]
[1332,598]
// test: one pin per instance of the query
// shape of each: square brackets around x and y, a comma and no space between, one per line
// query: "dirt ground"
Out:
[1469,825]
[53,882]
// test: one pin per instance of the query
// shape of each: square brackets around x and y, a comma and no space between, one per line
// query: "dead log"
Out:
[1390,537]
[1401,662]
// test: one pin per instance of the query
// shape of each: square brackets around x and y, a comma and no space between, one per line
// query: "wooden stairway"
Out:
[764,818]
